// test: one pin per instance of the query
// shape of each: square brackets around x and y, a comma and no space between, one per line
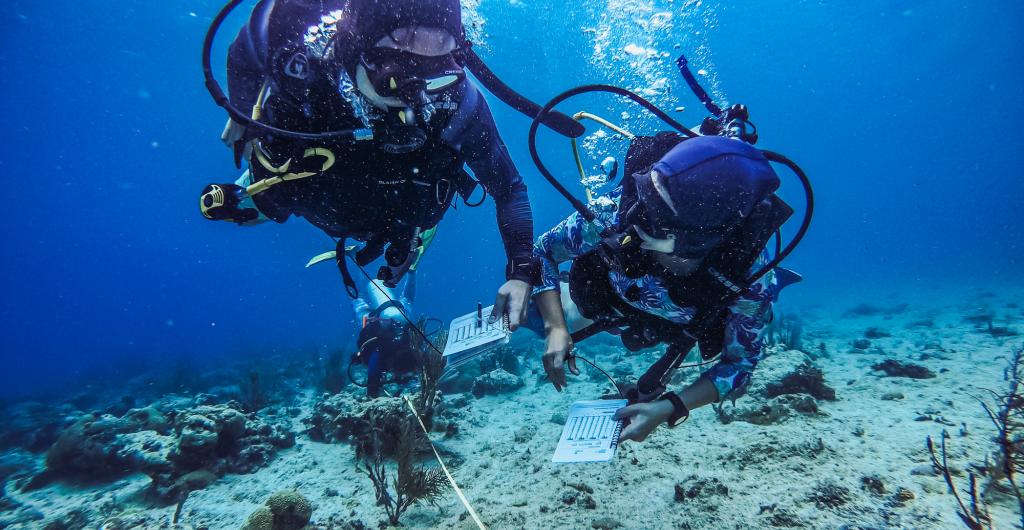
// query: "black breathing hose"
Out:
[804,225]
[222,100]
[558,122]
[589,216]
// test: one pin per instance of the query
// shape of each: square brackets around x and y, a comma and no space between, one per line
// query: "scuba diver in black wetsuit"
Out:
[362,121]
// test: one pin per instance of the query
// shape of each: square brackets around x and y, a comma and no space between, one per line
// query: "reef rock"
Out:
[94,444]
[33,426]
[785,384]
[167,447]
[366,423]
[495,382]
[767,412]
[205,430]
[700,488]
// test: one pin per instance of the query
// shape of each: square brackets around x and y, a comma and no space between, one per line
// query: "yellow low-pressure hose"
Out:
[257,109]
[580,116]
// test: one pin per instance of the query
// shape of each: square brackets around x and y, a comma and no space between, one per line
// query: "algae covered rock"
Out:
[365,423]
[223,439]
[32,425]
[785,384]
[146,451]
[284,510]
[894,368]
[344,417]
[205,428]
[90,445]
[171,448]
[805,379]
[497,381]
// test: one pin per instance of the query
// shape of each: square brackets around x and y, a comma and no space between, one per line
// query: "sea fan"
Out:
[431,366]
[412,483]
[1007,415]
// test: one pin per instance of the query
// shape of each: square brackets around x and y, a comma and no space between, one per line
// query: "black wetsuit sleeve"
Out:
[484,151]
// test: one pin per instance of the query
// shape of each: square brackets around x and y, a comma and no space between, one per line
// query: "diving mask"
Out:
[410,77]
[688,231]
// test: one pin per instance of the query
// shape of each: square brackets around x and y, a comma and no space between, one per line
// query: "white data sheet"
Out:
[590,434]
[470,335]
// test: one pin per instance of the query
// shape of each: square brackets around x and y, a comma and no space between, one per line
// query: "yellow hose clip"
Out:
[282,170]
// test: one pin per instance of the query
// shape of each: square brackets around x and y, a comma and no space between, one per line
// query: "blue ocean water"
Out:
[904,113]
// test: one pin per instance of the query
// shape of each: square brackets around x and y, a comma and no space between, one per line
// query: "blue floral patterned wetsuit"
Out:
[745,322]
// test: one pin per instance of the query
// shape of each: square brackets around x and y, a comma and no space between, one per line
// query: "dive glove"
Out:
[220,202]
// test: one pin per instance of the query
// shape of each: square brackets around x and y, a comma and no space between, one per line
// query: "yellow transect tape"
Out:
[451,480]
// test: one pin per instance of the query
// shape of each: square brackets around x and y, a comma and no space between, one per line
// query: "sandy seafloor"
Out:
[737,475]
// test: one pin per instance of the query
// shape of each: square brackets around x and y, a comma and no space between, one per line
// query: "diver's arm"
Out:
[476,137]
[558,340]
[569,239]
[745,326]
[744,339]
[644,418]
[565,241]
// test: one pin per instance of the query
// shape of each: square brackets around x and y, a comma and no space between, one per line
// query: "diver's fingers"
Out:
[629,433]
[554,370]
[572,365]
[500,307]
[516,311]
[626,412]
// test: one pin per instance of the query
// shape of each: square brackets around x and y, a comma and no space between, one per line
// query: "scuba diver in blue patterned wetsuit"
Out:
[704,207]
[676,256]
[362,122]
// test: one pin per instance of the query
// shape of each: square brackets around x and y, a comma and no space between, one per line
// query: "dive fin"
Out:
[322,258]
[784,278]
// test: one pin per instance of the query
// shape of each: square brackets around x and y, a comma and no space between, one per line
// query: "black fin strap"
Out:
[339,257]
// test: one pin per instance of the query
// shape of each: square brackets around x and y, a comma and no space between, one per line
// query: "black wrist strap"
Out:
[524,270]
[679,411]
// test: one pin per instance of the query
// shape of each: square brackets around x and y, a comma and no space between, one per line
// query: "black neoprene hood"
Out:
[713,183]
[373,19]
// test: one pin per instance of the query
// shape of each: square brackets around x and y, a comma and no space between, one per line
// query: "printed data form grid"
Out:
[590,434]
[471,335]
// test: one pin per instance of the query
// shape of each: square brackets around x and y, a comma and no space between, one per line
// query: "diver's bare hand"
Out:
[558,349]
[512,301]
[643,418]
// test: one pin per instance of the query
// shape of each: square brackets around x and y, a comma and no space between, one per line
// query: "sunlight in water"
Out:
[635,44]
